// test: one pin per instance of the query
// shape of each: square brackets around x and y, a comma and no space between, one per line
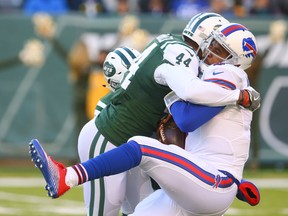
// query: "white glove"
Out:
[171,98]
[254,98]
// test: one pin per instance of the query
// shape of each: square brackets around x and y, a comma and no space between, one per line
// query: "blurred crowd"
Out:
[180,8]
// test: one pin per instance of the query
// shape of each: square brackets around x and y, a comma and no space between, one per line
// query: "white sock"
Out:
[71,178]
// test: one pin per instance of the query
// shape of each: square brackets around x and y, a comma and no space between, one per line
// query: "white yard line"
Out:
[21,182]
[9,211]
[39,182]
[41,204]
[285,211]
[37,199]
[270,183]
[253,212]
[68,207]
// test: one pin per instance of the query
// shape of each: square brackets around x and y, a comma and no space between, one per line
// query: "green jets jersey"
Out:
[137,106]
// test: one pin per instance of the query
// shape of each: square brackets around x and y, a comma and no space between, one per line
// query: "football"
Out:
[169,133]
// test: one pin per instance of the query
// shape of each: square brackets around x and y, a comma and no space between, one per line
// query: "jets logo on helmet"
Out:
[109,69]
[116,64]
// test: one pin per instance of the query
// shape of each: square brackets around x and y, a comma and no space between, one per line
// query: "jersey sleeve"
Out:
[190,88]
[102,103]
[189,117]
[226,76]
[178,54]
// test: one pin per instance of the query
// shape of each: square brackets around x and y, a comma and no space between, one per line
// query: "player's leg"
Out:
[102,196]
[60,179]
[158,203]
[138,187]
[188,180]
[85,141]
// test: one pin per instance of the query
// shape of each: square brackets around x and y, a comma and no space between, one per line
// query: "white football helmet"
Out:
[238,41]
[201,25]
[116,64]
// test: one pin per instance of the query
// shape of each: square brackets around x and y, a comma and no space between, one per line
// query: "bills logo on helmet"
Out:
[249,46]
[109,69]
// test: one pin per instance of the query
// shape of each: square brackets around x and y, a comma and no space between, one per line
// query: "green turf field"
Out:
[22,193]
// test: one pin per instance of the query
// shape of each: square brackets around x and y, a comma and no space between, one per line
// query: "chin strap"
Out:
[247,191]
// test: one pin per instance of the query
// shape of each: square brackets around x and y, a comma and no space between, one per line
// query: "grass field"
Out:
[22,193]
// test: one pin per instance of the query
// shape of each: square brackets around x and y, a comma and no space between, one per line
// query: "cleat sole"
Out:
[40,159]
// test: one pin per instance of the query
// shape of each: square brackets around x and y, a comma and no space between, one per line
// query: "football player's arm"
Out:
[189,117]
[102,103]
[190,88]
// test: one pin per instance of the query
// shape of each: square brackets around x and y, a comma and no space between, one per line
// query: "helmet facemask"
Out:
[207,50]
[237,40]
[212,47]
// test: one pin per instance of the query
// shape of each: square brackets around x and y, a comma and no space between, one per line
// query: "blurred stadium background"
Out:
[46,58]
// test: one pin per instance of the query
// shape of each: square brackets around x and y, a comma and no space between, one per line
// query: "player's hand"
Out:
[250,99]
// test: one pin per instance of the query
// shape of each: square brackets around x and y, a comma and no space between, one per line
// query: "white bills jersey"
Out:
[225,139]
